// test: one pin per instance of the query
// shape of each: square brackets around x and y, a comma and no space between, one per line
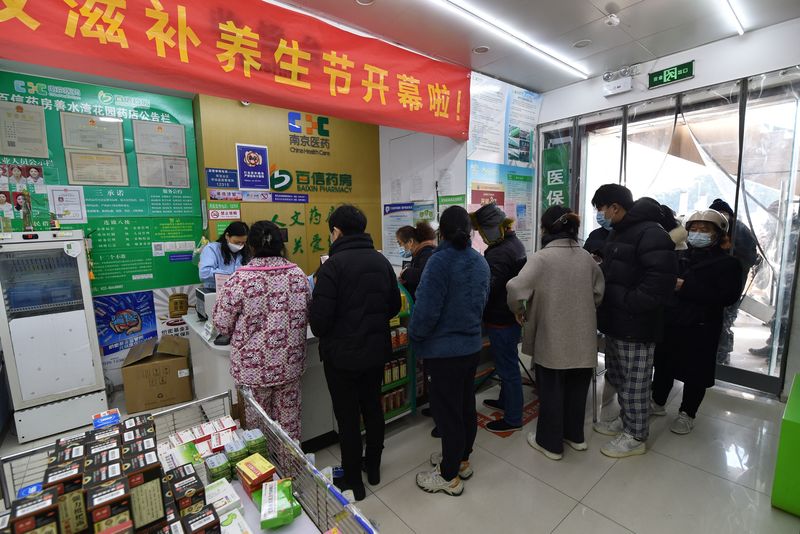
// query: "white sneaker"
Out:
[683,424]
[433,482]
[582,446]
[609,428]
[464,469]
[532,443]
[657,409]
[623,446]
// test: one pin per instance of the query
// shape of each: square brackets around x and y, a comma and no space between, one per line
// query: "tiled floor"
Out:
[716,479]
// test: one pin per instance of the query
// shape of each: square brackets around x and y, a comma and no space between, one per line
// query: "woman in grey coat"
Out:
[554,298]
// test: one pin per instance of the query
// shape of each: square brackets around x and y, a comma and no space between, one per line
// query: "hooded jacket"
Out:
[354,299]
[640,270]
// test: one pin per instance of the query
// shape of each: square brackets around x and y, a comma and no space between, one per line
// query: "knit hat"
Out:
[491,223]
[722,206]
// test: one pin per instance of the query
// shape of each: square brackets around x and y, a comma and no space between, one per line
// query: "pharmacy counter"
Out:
[211,370]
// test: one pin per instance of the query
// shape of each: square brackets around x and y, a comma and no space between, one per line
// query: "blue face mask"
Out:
[404,253]
[602,221]
[700,239]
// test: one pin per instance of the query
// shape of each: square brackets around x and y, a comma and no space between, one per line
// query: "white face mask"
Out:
[234,247]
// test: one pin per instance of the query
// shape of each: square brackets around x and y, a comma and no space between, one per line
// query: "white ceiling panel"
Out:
[654,16]
[603,38]
[648,29]
[690,35]
[625,55]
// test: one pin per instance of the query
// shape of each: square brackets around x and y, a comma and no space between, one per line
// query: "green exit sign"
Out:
[678,73]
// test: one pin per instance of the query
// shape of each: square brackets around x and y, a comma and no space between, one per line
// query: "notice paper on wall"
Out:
[395,216]
[252,166]
[67,203]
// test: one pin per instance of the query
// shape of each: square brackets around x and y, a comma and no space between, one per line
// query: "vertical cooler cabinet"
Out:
[48,333]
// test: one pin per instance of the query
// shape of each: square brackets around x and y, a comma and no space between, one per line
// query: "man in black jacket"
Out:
[354,298]
[640,266]
[506,257]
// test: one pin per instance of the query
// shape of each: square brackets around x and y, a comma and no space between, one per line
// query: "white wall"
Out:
[754,52]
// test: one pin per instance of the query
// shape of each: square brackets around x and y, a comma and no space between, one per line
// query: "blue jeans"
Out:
[504,343]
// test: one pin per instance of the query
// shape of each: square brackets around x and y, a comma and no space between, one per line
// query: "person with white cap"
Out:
[709,279]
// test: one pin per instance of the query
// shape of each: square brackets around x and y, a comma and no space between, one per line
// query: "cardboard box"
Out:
[233,522]
[189,494]
[157,374]
[37,513]
[101,458]
[139,446]
[100,474]
[104,434]
[109,505]
[139,420]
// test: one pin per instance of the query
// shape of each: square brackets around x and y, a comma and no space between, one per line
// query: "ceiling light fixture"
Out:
[365,2]
[488,22]
[733,16]
[583,43]
[480,49]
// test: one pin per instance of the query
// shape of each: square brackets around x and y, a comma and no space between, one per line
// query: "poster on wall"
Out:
[124,320]
[555,176]
[162,171]
[172,307]
[22,130]
[96,168]
[252,167]
[395,216]
[159,138]
[424,211]
[501,152]
[67,203]
[88,132]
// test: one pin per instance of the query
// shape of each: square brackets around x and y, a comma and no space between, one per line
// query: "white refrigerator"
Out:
[48,333]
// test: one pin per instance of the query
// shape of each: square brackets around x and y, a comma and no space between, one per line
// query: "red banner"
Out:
[244,50]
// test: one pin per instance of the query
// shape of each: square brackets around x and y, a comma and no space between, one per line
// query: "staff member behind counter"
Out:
[225,255]
[417,243]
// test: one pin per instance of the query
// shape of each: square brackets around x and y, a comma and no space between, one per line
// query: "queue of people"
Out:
[654,289]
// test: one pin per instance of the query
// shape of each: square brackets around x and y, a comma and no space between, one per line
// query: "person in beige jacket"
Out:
[554,298]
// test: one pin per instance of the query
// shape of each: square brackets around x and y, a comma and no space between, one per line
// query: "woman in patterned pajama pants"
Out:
[264,308]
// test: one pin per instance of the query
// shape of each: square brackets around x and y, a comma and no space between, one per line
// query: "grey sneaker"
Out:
[623,446]
[433,482]
[609,428]
[683,424]
[464,469]
[657,409]
[532,443]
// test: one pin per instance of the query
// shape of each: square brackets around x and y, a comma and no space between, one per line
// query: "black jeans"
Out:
[562,406]
[451,388]
[693,394]
[355,393]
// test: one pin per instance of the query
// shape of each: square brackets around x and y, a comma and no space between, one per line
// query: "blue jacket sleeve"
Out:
[208,264]
[431,295]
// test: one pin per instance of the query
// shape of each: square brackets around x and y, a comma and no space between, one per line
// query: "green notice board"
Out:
[120,165]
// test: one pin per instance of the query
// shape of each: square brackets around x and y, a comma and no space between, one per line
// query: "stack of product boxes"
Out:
[120,480]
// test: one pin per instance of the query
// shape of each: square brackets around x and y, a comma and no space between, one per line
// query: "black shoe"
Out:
[494,404]
[359,492]
[373,472]
[500,425]
[435,432]
[426,412]
[763,351]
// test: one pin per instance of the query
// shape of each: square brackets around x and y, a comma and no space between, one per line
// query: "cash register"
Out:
[205,299]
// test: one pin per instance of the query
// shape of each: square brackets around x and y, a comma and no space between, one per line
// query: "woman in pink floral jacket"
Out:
[264,308]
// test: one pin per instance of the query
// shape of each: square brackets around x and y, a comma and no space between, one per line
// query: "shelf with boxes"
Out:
[399,385]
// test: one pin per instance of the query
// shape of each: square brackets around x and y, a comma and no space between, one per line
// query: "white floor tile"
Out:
[654,494]
[403,451]
[499,496]
[381,517]
[742,408]
[726,449]
[574,475]
[583,520]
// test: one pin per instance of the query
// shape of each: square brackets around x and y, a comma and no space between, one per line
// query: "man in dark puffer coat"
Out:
[640,266]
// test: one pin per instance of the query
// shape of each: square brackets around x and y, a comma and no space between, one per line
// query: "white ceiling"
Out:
[649,29]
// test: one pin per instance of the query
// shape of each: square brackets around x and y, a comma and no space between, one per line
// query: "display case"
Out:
[48,333]
[398,391]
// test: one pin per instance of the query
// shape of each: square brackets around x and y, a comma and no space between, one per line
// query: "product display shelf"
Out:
[396,384]
[323,505]
[403,402]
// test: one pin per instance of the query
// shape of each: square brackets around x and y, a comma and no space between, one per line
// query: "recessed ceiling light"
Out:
[365,2]
[480,49]
[612,20]
[583,43]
